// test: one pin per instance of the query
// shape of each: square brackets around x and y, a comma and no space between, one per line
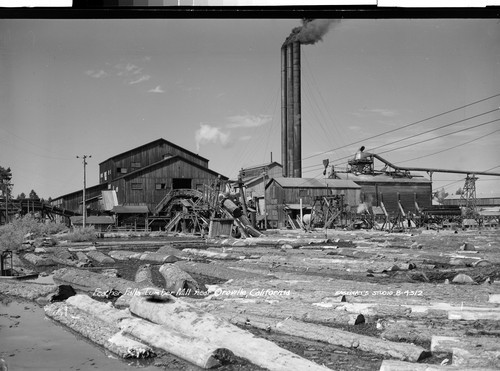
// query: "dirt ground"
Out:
[433,259]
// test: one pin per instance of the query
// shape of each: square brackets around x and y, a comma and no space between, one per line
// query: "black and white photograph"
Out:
[192,186]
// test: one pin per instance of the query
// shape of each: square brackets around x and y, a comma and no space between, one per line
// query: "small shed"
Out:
[99,222]
[286,193]
[131,216]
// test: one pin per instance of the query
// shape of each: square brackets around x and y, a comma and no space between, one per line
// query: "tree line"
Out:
[6,186]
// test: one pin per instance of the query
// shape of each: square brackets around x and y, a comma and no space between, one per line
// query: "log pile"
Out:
[399,298]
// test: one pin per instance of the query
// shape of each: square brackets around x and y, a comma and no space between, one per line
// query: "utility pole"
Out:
[84,157]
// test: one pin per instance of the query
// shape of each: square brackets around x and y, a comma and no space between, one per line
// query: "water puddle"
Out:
[30,341]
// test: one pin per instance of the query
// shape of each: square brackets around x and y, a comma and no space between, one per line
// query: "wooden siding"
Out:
[373,194]
[74,201]
[277,197]
[143,156]
[149,194]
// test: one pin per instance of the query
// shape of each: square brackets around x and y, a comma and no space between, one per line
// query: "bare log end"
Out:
[219,357]
[358,320]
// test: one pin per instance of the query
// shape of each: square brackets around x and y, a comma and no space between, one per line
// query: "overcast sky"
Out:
[212,86]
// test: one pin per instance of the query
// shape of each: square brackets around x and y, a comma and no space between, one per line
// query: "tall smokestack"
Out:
[291,125]
[289,110]
[284,129]
[297,129]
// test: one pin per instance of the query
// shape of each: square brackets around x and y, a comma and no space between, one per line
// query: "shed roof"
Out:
[131,209]
[314,183]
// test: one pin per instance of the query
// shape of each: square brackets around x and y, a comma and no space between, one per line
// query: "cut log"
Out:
[82,256]
[100,257]
[373,309]
[144,274]
[194,350]
[334,336]
[217,271]
[124,254]
[212,254]
[423,330]
[471,315]
[170,250]
[403,351]
[30,291]
[284,310]
[98,331]
[69,262]
[192,322]
[446,344]
[476,358]
[494,298]
[62,253]
[176,280]
[39,261]
[354,265]
[96,284]
[392,365]
[158,258]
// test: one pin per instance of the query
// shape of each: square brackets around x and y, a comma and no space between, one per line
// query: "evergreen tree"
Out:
[33,195]
[5,177]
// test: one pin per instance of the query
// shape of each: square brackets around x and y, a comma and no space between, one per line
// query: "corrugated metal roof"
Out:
[316,183]
[131,209]
[380,178]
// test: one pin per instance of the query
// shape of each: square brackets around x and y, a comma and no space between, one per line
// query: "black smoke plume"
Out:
[311,31]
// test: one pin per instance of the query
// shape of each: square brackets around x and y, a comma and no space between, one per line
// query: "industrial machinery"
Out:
[363,163]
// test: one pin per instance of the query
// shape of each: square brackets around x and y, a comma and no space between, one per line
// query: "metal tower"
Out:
[468,197]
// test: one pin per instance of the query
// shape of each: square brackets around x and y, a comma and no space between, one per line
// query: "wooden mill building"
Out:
[283,195]
[142,177]
[411,192]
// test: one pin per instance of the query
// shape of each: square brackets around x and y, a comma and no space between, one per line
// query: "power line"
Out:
[439,136]
[314,167]
[450,148]
[405,126]
[428,131]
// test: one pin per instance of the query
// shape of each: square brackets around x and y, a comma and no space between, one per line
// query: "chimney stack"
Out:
[291,132]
